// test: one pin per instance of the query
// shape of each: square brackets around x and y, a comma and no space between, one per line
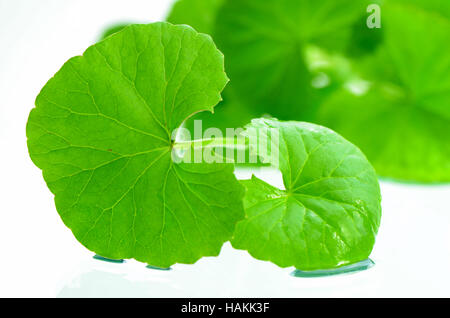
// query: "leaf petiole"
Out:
[240,143]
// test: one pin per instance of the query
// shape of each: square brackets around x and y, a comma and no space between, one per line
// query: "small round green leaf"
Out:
[328,215]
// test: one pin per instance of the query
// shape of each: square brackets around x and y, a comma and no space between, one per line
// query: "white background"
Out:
[40,256]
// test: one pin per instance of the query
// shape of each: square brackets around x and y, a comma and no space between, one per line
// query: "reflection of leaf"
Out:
[101,133]
[403,124]
[329,214]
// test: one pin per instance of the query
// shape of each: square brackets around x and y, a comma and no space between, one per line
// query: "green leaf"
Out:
[101,133]
[265,41]
[403,123]
[199,14]
[202,15]
[329,213]
[113,29]
[364,40]
[402,141]
[440,7]
[231,114]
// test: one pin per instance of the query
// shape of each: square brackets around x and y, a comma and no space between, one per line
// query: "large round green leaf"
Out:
[329,213]
[102,134]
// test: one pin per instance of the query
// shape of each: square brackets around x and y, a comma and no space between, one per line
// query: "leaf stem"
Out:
[234,143]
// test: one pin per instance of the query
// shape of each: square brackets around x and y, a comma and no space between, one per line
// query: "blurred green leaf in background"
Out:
[268,47]
[387,89]
[403,122]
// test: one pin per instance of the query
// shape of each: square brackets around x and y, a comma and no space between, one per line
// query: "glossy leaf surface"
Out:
[102,134]
[329,213]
